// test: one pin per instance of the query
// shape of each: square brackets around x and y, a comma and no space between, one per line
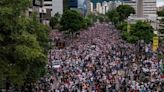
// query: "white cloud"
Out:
[160,2]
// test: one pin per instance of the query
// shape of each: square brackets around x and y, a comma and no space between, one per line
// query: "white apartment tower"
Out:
[105,7]
[91,6]
[98,7]
[149,7]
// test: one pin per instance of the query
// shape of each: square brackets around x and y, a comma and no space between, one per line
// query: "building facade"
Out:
[57,7]
[80,5]
[37,7]
[107,6]
[145,7]
[98,8]
[52,7]
[91,7]
[149,7]
[73,3]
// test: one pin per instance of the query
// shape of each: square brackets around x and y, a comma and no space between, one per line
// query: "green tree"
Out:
[101,18]
[161,25]
[161,13]
[139,31]
[113,17]
[71,21]
[143,31]
[124,11]
[23,44]
[86,22]
[55,20]
[93,17]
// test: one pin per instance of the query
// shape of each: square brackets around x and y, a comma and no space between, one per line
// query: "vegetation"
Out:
[120,14]
[161,30]
[160,13]
[139,31]
[23,45]
[113,17]
[161,25]
[124,11]
[71,21]
[130,32]
[55,20]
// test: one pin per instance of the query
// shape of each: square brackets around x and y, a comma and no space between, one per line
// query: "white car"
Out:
[56,64]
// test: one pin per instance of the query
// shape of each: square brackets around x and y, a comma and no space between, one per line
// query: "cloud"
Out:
[160,2]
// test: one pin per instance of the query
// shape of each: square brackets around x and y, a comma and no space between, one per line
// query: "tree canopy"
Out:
[23,44]
[71,21]
[124,11]
[113,16]
[55,20]
[119,14]
[139,31]
[161,13]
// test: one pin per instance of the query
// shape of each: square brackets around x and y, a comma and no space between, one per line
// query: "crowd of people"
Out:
[98,60]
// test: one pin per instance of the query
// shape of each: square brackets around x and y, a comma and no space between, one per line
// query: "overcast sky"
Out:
[160,2]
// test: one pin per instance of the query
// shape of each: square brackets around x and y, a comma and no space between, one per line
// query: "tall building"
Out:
[143,7]
[98,8]
[80,5]
[88,6]
[73,3]
[140,10]
[150,7]
[91,6]
[105,7]
[36,6]
[52,7]
[57,7]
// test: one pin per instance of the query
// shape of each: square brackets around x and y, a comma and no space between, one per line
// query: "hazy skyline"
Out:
[159,2]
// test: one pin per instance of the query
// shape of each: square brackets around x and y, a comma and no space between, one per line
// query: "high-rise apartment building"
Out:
[143,7]
[149,7]
[36,6]
[105,7]
[98,8]
[140,10]
[73,3]
[80,5]
[91,7]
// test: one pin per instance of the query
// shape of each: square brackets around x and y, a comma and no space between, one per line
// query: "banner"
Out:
[155,43]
